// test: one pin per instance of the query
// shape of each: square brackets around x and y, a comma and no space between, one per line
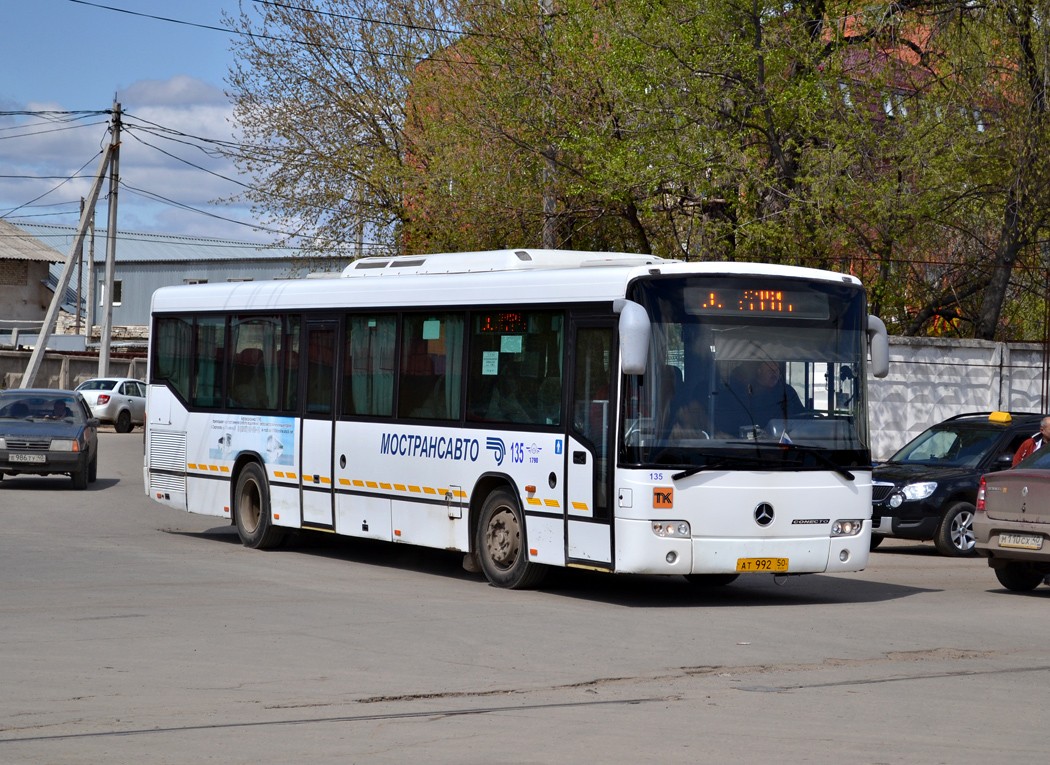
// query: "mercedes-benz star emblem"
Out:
[764,514]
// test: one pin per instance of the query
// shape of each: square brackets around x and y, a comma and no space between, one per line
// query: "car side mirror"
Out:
[1003,461]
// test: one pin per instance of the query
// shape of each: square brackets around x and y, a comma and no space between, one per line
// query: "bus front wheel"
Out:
[501,544]
[251,507]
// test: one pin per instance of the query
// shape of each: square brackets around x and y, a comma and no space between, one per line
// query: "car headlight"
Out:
[64,445]
[3,442]
[915,491]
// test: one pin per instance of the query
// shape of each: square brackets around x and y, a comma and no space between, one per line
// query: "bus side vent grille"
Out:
[167,451]
[162,482]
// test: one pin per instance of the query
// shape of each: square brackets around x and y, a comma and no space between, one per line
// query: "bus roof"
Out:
[499,277]
[493,260]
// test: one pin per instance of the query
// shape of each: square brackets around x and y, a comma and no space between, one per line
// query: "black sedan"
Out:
[44,431]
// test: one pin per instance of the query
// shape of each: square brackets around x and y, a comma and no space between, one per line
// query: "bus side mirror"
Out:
[879,343]
[634,336]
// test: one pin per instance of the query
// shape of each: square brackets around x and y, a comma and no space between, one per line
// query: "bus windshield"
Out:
[749,372]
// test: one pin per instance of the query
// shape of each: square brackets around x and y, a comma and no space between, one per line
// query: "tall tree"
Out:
[320,89]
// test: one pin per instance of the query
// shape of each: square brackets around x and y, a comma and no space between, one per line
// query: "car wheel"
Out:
[80,478]
[876,540]
[123,423]
[501,544]
[1018,577]
[92,472]
[251,502]
[955,534]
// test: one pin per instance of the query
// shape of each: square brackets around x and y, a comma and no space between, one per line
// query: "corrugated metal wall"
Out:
[932,379]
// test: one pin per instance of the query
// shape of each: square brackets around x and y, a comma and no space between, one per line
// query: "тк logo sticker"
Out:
[663,497]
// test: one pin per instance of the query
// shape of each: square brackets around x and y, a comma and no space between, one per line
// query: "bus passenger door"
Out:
[589,452]
[317,409]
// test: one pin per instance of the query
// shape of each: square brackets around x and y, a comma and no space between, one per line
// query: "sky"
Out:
[167,73]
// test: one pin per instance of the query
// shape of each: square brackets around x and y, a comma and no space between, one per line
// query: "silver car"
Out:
[119,401]
[1012,522]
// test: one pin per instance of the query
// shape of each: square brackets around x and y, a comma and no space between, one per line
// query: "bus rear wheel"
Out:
[501,545]
[251,508]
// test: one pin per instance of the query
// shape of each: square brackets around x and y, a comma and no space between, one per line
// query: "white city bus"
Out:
[530,408]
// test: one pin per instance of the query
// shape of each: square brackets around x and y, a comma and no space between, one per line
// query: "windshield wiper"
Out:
[715,464]
[815,451]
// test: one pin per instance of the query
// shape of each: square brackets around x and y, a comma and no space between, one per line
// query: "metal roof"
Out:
[135,247]
[17,244]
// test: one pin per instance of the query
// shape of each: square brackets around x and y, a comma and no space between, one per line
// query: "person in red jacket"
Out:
[1033,444]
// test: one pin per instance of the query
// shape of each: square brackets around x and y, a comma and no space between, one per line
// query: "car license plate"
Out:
[775,565]
[1021,541]
[35,458]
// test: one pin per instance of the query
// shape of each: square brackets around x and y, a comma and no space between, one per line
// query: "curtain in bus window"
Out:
[368,375]
[431,359]
[209,358]
[290,362]
[254,371]
[173,354]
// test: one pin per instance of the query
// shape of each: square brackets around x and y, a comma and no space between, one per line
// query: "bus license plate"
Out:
[774,565]
[1021,541]
[35,458]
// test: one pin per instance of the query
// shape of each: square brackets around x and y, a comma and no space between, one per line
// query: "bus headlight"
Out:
[848,528]
[676,529]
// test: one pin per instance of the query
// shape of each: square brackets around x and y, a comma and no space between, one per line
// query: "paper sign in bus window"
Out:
[432,329]
[510,344]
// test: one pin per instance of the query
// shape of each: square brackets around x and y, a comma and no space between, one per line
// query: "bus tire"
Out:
[251,510]
[501,546]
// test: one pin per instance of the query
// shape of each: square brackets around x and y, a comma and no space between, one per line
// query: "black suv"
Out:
[928,489]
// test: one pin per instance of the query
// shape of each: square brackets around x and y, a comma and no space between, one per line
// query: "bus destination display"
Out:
[744,301]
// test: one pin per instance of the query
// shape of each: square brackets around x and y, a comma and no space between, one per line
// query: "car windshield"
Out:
[97,385]
[27,407]
[950,446]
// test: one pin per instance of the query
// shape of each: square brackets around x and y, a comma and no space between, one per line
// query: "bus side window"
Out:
[515,367]
[431,360]
[368,365]
[210,355]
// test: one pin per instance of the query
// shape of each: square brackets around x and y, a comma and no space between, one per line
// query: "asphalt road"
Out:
[133,633]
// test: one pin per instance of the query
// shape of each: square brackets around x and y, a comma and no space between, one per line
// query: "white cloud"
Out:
[161,155]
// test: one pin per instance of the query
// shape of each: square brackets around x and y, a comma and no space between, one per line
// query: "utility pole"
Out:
[80,269]
[37,357]
[111,246]
[550,208]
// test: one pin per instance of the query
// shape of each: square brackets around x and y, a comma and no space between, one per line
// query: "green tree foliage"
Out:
[904,142]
